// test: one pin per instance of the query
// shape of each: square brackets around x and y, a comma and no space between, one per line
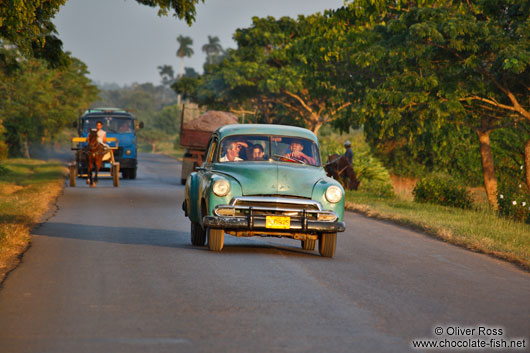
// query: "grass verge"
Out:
[27,188]
[166,148]
[478,230]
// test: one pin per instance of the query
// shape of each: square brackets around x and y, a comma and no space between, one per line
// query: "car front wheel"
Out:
[198,235]
[215,239]
[327,243]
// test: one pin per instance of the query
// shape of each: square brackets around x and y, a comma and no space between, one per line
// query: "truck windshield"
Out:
[261,148]
[111,124]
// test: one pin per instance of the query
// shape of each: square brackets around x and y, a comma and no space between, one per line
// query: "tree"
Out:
[37,102]
[167,74]
[269,71]
[212,49]
[440,62]
[184,50]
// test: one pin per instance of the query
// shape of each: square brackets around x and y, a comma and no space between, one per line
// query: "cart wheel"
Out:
[73,174]
[116,174]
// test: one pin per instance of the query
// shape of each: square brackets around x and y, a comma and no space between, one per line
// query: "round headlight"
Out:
[333,194]
[221,187]
[128,152]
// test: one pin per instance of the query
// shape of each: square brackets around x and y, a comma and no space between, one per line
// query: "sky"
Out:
[124,42]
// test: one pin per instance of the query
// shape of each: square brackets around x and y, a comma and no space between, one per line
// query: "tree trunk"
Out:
[527,163]
[153,147]
[25,148]
[181,73]
[488,170]
[315,123]
[316,127]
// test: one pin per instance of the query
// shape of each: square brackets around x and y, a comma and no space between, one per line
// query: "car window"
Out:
[244,148]
[295,150]
[261,148]
[211,148]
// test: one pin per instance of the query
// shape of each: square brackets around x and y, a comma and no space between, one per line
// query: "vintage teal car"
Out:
[264,180]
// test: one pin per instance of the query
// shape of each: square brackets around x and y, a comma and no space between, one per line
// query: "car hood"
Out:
[272,178]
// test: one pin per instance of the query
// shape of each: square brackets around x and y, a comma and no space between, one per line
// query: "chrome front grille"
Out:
[262,206]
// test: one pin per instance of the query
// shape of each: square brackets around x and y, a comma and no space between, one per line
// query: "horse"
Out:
[339,168]
[94,152]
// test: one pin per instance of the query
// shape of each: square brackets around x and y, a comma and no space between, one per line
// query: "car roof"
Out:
[265,129]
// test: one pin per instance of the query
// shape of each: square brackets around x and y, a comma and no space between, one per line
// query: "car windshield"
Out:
[112,124]
[264,148]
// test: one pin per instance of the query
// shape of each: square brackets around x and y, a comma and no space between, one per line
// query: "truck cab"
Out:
[117,123]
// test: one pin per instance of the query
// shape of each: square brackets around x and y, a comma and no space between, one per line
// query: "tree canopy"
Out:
[420,76]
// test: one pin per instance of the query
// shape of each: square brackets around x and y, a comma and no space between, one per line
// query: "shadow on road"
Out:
[118,235]
[162,237]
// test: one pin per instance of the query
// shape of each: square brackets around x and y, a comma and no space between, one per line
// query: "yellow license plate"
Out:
[277,222]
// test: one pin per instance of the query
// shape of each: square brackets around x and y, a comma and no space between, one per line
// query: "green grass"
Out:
[478,230]
[27,187]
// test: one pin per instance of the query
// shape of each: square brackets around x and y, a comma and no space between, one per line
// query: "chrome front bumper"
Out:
[250,213]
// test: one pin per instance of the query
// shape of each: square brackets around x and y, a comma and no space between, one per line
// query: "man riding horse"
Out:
[96,151]
[340,167]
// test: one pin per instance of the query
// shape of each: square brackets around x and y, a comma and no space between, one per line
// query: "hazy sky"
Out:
[122,41]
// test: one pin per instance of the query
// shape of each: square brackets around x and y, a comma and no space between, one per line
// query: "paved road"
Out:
[113,271]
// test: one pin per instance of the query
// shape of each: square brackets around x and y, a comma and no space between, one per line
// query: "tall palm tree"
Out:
[212,49]
[183,51]
[167,74]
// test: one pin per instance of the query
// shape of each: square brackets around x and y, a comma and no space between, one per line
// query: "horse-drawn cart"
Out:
[80,167]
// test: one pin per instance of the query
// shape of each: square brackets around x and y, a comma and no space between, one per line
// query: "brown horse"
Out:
[339,168]
[94,152]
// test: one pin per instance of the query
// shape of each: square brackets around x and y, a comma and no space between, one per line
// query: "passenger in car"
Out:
[232,151]
[257,153]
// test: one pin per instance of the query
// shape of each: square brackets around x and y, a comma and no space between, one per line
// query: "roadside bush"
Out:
[514,200]
[442,191]
[3,170]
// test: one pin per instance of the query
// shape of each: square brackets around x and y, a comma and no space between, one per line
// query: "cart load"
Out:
[195,131]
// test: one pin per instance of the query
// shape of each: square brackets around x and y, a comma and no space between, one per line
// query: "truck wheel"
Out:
[309,244]
[327,244]
[216,239]
[183,181]
[132,173]
[198,235]
[125,173]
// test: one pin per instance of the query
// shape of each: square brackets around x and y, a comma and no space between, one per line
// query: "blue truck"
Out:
[117,123]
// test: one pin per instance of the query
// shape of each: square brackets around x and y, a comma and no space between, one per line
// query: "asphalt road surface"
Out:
[113,270]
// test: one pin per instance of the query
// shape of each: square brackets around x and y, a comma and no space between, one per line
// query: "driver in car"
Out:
[296,153]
